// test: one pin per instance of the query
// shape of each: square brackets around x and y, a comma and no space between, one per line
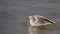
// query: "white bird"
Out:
[37,20]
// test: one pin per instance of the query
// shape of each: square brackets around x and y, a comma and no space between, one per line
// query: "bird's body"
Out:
[37,20]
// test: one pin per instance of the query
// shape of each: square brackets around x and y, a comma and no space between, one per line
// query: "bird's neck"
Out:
[31,20]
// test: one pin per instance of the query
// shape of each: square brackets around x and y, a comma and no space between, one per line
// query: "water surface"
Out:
[14,12]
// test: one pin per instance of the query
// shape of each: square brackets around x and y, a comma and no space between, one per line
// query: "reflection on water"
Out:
[14,12]
[41,30]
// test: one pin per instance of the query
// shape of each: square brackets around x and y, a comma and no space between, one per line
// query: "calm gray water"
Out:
[14,12]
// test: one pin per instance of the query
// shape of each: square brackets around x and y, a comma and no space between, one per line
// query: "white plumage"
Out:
[37,20]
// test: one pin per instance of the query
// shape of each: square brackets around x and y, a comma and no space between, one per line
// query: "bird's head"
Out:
[29,17]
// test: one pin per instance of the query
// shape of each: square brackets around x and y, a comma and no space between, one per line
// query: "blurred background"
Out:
[14,12]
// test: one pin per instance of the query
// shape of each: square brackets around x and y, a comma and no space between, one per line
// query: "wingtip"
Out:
[54,23]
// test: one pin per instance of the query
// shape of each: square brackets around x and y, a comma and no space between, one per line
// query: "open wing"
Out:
[49,20]
[41,18]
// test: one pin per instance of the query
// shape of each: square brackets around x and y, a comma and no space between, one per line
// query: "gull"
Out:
[37,20]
